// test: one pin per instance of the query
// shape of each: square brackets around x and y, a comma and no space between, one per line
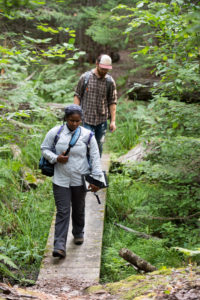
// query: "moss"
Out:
[135,278]
[113,288]
[141,287]
[94,288]
[163,272]
[137,285]
[137,291]
[144,297]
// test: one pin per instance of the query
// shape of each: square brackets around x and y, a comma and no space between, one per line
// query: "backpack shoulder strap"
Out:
[74,139]
[90,136]
[85,83]
[57,136]
[109,82]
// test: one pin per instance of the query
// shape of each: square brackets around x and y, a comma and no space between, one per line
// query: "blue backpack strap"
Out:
[75,137]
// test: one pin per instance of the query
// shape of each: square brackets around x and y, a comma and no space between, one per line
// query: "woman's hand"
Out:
[93,188]
[62,158]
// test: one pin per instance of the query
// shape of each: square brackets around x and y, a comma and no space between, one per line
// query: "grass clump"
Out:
[25,212]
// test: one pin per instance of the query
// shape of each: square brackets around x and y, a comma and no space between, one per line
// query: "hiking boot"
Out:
[78,241]
[59,253]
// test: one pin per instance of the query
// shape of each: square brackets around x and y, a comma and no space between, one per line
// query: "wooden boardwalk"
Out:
[82,262]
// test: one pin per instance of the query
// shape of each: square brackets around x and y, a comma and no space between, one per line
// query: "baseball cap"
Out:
[105,62]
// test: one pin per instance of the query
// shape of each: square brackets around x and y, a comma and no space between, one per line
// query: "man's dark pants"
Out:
[65,198]
[99,131]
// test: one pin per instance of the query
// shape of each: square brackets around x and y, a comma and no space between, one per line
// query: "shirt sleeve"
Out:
[113,93]
[95,160]
[46,146]
[79,88]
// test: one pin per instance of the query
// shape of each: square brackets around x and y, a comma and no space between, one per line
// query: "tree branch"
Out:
[168,218]
[136,260]
[140,234]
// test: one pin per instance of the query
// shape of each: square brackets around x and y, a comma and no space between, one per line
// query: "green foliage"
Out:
[25,230]
[169,118]
[170,44]
[22,212]
[56,83]
[127,131]
[159,195]
[114,268]
[102,30]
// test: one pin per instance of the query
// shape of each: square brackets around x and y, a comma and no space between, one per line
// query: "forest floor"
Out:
[174,284]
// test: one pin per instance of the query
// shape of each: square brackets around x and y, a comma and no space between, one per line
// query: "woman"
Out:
[67,182]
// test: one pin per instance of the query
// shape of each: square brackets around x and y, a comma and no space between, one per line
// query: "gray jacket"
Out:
[69,174]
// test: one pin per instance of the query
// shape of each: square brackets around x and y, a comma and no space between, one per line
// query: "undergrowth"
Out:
[158,195]
[27,205]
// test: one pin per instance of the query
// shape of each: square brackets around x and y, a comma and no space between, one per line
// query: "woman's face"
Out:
[73,121]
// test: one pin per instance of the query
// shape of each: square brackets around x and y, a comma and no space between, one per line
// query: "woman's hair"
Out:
[72,109]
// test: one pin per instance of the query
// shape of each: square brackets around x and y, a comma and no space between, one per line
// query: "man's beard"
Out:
[101,74]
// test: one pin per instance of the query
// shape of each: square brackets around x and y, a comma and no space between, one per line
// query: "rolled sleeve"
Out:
[95,159]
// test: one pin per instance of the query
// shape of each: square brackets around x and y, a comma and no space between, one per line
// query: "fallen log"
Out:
[27,177]
[140,234]
[168,218]
[136,260]
[20,124]
[16,151]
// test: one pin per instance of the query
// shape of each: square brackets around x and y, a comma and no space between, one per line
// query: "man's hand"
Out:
[112,126]
[62,158]
[93,187]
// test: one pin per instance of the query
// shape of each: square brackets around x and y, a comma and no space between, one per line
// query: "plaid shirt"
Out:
[94,102]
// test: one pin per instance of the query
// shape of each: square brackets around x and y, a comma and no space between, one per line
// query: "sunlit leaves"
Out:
[47,29]
[37,41]
[173,46]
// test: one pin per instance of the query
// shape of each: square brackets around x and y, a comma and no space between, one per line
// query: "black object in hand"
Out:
[88,179]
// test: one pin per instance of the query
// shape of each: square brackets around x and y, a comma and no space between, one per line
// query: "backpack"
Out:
[86,80]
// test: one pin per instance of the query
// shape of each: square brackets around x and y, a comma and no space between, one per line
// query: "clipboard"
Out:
[87,179]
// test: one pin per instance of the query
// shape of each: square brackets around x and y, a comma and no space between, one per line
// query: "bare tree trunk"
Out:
[136,260]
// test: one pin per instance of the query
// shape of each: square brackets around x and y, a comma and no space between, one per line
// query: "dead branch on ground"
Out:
[136,260]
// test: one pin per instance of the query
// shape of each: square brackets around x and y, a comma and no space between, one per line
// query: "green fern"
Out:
[7,261]
[5,264]
[4,271]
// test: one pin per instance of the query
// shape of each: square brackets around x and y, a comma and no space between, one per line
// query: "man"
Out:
[97,95]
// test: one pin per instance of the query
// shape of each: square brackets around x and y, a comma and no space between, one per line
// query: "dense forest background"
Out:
[44,47]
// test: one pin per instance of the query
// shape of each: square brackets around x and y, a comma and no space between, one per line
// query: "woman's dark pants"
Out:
[65,198]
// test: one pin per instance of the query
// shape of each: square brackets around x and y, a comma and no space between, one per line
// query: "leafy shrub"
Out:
[160,195]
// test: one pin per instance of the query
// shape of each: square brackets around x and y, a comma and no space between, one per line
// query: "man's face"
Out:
[102,72]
